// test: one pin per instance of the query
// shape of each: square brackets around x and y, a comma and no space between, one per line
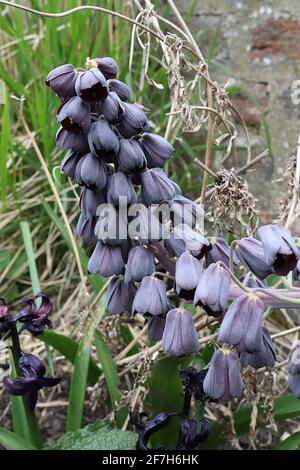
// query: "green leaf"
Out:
[291,443]
[36,288]
[111,376]
[165,394]
[97,436]
[11,441]
[69,348]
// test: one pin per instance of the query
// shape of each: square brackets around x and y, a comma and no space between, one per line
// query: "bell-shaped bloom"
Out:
[281,252]
[31,381]
[85,229]
[220,251]
[130,157]
[192,380]
[141,263]
[69,163]
[294,369]
[133,122]
[156,149]
[74,115]
[144,226]
[119,296]
[156,186]
[69,140]
[156,326]
[91,172]
[266,357]
[91,201]
[242,324]
[194,241]
[62,81]
[187,275]
[112,108]
[185,211]
[91,86]
[151,297]
[180,336]
[223,380]
[5,320]
[213,290]
[145,427]
[251,253]
[174,245]
[296,272]
[120,190]
[102,139]
[111,227]
[122,90]
[106,260]
[35,319]
[190,434]
[107,66]
[250,280]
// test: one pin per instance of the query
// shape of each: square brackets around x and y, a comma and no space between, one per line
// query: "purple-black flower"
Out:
[145,427]
[62,80]
[69,163]
[122,90]
[156,186]
[223,380]
[251,253]
[107,66]
[31,381]
[74,115]
[191,435]
[194,241]
[220,251]
[69,140]
[180,336]
[91,172]
[120,186]
[90,201]
[5,319]
[111,227]
[266,357]
[102,139]
[141,263]
[151,297]
[34,318]
[85,229]
[91,85]
[156,149]
[112,108]
[212,292]
[187,275]
[193,381]
[130,157]
[133,122]
[119,296]
[294,369]
[106,260]
[156,326]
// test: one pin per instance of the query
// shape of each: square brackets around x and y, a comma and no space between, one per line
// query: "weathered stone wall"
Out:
[258,49]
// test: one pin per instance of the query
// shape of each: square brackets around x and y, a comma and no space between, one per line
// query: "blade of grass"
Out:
[5,145]
[11,441]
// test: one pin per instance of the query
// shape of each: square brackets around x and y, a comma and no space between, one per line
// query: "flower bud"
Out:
[119,296]
[85,229]
[107,66]
[187,275]
[62,81]
[69,140]
[91,172]
[74,115]
[120,186]
[130,157]
[266,357]
[281,252]
[90,201]
[133,122]
[122,90]
[156,186]
[294,369]
[213,289]
[180,336]
[91,86]
[156,149]
[102,139]
[251,252]
[242,324]
[223,380]
[141,263]
[106,260]
[112,108]
[151,297]
[69,163]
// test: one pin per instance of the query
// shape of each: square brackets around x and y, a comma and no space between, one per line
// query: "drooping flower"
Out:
[5,319]
[194,241]
[107,66]
[212,291]
[251,252]
[31,381]
[85,229]
[156,326]
[102,139]
[62,80]
[187,275]
[74,115]
[193,381]
[156,186]
[91,172]
[145,226]
[90,202]
[266,357]
[91,85]
[180,336]
[112,108]
[106,260]
[130,157]
[185,211]
[156,149]
[119,296]
[111,227]
[220,251]
[281,252]
[223,380]
[35,319]
[69,163]
[140,264]
[69,140]
[190,435]
[133,122]
[294,369]
[151,297]
[120,190]
[122,90]
[242,324]
[174,245]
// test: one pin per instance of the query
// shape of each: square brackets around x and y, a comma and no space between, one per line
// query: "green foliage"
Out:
[11,441]
[291,443]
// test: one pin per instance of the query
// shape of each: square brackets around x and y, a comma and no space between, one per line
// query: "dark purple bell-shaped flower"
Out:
[5,319]
[266,357]
[193,382]
[122,90]
[212,291]
[120,190]
[194,241]
[85,229]
[180,336]
[251,252]
[107,66]
[223,380]
[31,381]
[156,149]
[91,172]
[187,275]
[294,369]
[220,251]
[91,86]
[74,115]
[281,252]
[62,81]
[35,319]
[190,436]
[156,326]
[111,227]
[141,263]
[91,201]
[102,139]
[69,140]
[69,163]
[151,297]
[112,108]
[242,324]
[174,245]
[133,122]
[156,186]
[130,157]
[296,272]
[106,260]
[185,211]
[145,226]
[119,296]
